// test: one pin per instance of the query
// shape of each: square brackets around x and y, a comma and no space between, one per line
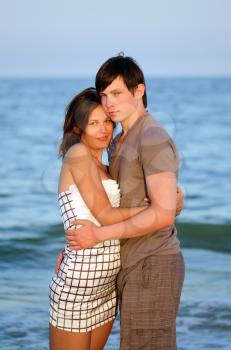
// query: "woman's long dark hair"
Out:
[76,118]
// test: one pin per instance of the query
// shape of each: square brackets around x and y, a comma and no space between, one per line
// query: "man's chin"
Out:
[115,118]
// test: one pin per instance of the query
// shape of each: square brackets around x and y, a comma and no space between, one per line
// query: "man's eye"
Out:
[116,93]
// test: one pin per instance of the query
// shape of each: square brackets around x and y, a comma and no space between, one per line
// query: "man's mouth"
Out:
[112,113]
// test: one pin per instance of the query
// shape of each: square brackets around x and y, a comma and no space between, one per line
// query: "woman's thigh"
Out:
[65,340]
[99,336]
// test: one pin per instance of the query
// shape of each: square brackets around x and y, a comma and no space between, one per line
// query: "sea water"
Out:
[197,114]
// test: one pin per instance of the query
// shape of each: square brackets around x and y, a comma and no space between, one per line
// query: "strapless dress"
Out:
[83,292]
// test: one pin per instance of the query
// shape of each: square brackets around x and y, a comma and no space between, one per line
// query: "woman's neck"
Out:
[97,154]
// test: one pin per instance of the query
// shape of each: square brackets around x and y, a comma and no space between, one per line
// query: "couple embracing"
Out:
[122,247]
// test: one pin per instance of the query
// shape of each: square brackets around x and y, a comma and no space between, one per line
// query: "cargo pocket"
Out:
[153,319]
[156,305]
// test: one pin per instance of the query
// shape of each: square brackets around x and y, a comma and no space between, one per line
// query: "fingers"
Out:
[57,266]
[79,222]
[59,261]
[180,205]
[72,238]
[180,194]
[70,234]
[180,201]
[147,200]
[75,247]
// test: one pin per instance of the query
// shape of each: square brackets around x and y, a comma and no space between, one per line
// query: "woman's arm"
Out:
[86,176]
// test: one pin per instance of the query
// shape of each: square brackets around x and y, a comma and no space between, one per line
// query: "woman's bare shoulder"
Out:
[77,153]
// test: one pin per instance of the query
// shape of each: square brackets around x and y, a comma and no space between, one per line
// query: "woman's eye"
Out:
[108,121]
[93,123]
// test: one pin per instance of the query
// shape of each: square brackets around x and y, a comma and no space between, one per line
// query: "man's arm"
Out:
[160,214]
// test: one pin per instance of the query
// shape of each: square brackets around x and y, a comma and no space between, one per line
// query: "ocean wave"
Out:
[216,237]
[40,242]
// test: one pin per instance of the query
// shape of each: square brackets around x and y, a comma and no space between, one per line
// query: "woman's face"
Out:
[99,130]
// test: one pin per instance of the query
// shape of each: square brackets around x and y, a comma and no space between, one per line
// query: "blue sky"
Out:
[72,38]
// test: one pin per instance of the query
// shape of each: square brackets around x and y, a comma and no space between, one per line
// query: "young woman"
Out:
[83,291]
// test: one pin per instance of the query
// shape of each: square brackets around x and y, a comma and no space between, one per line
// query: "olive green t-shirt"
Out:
[146,149]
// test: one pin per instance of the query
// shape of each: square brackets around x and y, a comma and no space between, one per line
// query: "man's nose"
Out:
[108,101]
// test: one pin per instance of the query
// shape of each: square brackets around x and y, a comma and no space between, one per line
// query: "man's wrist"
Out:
[97,234]
[102,233]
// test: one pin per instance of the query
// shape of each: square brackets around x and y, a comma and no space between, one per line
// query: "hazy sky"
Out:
[72,37]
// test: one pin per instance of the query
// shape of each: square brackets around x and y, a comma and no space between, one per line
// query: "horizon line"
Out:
[147,76]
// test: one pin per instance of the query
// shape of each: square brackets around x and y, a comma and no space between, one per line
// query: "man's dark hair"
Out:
[124,67]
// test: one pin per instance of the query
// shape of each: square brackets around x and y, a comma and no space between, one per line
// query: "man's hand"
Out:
[84,237]
[180,201]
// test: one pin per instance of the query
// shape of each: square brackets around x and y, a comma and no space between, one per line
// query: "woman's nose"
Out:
[103,127]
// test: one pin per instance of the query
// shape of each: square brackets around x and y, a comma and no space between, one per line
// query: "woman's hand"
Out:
[59,261]
[147,201]
[180,201]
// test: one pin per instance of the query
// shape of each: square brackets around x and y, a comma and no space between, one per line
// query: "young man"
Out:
[144,161]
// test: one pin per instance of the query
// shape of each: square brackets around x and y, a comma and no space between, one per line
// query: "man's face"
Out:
[118,102]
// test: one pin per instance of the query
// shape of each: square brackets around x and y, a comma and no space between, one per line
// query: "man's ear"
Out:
[139,92]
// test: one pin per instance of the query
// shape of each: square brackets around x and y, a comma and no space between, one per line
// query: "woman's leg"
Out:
[65,340]
[99,336]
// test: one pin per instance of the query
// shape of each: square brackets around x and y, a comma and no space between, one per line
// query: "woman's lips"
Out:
[103,138]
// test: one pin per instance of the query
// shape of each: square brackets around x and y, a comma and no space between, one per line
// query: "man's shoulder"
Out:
[151,129]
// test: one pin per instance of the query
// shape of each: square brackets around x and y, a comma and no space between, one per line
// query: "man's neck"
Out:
[128,123]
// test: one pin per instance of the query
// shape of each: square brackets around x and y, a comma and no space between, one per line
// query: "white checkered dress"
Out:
[83,292]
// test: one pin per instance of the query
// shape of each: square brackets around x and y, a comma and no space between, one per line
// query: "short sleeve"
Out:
[157,151]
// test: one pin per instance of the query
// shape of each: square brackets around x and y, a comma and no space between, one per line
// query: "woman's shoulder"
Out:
[77,150]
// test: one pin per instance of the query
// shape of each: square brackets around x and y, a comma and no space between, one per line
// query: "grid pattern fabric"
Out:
[83,291]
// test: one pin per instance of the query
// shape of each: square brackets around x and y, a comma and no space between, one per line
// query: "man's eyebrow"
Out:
[112,91]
